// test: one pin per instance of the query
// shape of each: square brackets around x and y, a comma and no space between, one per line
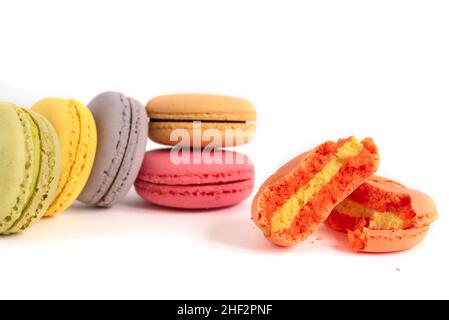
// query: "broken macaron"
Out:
[383,216]
[293,202]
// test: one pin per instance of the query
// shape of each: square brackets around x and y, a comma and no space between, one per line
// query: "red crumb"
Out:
[397,269]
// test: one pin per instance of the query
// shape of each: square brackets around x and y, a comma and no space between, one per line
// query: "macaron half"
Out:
[383,216]
[295,200]
[122,127]
[194,179]
[76,130]
[30,165]
[200,120]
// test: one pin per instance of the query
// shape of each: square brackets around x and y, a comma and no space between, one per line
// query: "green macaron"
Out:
[30,165]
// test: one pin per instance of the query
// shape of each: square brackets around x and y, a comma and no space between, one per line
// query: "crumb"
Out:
[319,239]
[397,269]
[312,242]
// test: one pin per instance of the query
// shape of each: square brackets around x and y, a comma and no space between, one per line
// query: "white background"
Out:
[316,70]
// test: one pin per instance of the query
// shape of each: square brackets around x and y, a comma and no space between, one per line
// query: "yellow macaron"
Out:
[77,133]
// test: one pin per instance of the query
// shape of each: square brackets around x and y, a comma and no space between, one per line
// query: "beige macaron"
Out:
[201,120]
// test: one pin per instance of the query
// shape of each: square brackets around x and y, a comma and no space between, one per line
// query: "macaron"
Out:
[294,201]
[75,127]
[195,179]
[30,165]
[383,216]
[200,120]
[122,129]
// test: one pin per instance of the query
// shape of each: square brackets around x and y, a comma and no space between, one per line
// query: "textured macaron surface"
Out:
[122,126]
[294,201]
[383,211]
[206,107]
[195,179]
[16,148]
[47,176]
[225,121]
[76,130]
[29,167]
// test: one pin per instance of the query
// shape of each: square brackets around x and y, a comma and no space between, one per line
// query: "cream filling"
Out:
[284,216]
[378,219]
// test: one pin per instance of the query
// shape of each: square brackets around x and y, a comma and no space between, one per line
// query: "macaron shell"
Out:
[196,196]
[112,113]
[377,241]
[201,107]
[183,134]
[15,153]
[49,171]
[77,134]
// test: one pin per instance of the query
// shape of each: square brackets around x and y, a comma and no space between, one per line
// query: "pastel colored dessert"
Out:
[122,129]
[30,165]
[225,121]
[294,201]
[194,180]
[75,127]
[383,216]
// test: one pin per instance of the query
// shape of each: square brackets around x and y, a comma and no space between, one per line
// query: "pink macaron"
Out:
[195,179]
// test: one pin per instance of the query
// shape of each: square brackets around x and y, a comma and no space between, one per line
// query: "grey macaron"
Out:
[122,128]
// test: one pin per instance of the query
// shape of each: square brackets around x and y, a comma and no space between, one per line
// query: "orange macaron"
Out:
[294,201]
[383,216]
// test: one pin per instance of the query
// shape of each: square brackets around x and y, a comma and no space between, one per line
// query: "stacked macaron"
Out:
[334,183]
[196,173]
[61,150]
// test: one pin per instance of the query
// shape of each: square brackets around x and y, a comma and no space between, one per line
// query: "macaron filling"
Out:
[376,219]
[284,216]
